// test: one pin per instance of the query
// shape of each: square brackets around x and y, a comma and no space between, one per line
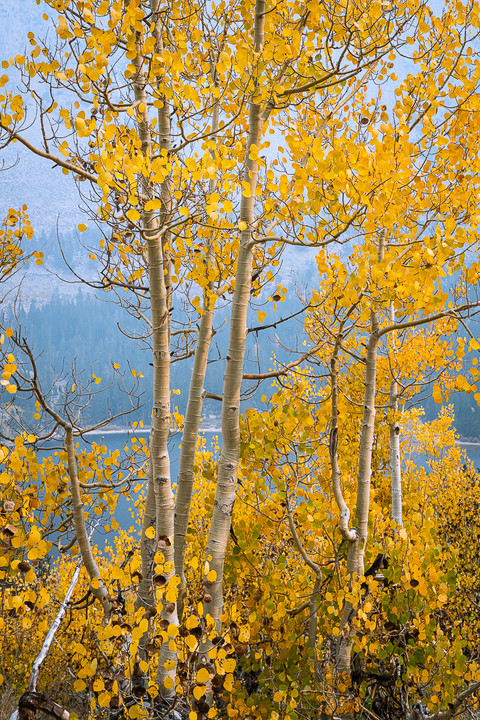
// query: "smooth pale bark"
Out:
[32,683]
[347,533]
[230,453]
[159,475]
[164,144]
[193,415]
[187,452]
[145,597]
[356,548]
[82,538]
[395,456]
[98,589]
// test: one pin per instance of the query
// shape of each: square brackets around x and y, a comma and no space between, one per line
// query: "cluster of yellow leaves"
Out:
[411,614]
[9,367]
[367,168]
[14,228]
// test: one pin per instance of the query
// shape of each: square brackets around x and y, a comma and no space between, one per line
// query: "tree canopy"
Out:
[304,567]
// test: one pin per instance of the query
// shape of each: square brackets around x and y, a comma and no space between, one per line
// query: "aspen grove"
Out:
[204,139]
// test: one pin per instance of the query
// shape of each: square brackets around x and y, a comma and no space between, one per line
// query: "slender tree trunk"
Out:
[189,443]
[395,456]
[230,453]
[145,597]
[344,511]
[47,643]
[98,588]
[159,475]
[83,540]
[356,548]
[193,416]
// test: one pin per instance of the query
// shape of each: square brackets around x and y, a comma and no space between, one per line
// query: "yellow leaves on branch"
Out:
[346,170]
[16,226]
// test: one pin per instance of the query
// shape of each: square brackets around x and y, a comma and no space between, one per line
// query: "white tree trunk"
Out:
[395,456]
[356,548]
[98,588]
[230,453]
[159,475]
[343,509]
[193,414]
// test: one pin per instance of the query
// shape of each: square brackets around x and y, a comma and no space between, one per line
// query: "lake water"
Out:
[126,513]
[473,452]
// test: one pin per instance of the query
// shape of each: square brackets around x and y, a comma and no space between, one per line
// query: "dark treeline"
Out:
[76,338]
[78,335]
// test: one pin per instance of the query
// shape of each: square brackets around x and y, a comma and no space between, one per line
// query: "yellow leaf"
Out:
[202,675]
[152,205]
[133,215]
[242,225]
[150,532]
[104,699]
[82,227]
[229,665]
[198,691]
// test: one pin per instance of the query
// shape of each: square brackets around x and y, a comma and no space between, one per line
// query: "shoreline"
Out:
[142,431]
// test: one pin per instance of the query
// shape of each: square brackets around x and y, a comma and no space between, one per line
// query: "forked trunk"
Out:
[159,475]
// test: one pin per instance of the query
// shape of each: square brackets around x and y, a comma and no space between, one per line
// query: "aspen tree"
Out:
[155,232]
[395,453]
[165,188]
[227,471]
